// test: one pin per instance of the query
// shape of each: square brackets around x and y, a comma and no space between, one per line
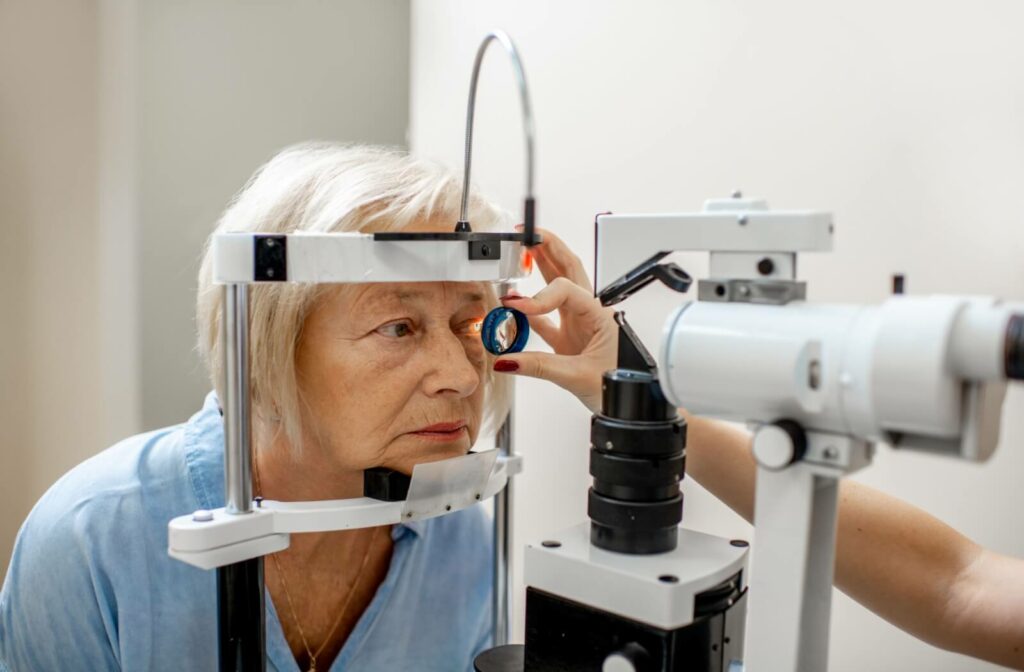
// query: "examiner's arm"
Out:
[900,562]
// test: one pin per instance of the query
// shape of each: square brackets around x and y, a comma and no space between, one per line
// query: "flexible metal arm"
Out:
[528,132]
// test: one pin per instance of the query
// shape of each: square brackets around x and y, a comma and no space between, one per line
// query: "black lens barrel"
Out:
[638,460]
[634,396]
[636,480]
[625,437]
[1015,348]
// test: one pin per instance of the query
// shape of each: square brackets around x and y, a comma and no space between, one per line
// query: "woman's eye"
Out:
[395,330]
[471,327]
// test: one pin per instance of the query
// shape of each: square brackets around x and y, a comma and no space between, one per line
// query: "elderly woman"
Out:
[344,378]
[350,377]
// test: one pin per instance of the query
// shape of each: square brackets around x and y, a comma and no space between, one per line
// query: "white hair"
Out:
[324,188]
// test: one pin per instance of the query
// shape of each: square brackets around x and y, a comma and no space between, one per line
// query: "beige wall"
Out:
[125,127]
[49,417]
[905,119]
[224,86]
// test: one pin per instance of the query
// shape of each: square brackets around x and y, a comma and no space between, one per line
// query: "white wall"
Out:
[905,119]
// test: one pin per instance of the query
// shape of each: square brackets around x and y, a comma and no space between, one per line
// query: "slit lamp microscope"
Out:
[631,590]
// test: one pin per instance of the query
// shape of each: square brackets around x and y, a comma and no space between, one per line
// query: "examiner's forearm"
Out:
[900,562]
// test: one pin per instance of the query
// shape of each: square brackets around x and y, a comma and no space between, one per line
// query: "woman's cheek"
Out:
[475,351]
[387,353]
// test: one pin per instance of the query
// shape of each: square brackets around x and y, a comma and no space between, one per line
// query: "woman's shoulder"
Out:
[115,473]
[155,466]
[86,551]
[128,491]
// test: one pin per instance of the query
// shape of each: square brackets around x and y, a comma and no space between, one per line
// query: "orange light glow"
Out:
[526,261]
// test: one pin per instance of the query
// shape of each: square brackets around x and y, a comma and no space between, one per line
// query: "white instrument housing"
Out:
[920,372]
[628,585]
[737,231]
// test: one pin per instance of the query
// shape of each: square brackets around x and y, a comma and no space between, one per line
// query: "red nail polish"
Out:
[510,297]
[506,365]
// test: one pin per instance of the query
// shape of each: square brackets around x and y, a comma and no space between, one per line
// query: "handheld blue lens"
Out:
[505,330]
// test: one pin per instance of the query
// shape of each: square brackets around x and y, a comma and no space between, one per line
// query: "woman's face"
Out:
[391,374]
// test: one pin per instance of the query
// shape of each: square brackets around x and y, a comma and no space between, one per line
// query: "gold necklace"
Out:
[341,613]
[288,597]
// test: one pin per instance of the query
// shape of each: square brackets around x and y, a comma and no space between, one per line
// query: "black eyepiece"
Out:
[1015,348]
[637,457]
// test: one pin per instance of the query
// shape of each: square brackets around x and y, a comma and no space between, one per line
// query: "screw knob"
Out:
[780,444]
[630,658]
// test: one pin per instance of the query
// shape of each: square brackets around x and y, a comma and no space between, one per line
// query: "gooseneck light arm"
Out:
[528,131]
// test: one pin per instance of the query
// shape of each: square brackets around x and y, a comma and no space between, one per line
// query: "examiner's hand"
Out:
[585,340]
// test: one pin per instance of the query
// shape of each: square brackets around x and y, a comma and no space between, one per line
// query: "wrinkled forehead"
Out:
[367,297]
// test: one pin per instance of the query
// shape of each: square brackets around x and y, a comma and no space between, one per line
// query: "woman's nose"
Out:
[450,370]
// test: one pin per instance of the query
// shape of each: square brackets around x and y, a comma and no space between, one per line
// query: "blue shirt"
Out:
[90,585]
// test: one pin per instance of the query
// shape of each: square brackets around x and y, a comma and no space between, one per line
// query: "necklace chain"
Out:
[288,597]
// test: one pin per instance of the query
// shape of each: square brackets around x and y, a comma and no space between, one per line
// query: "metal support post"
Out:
[502,544]
[793,559]
[795,515]
[241,626]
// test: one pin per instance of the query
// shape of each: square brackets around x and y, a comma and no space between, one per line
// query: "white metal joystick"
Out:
[780,444]
[631,658]
[618,663]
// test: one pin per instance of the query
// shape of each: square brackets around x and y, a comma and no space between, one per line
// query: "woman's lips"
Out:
[443,431]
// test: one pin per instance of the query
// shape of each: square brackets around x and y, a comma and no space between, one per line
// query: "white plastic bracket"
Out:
[724,226]
[358,257]
[210,539]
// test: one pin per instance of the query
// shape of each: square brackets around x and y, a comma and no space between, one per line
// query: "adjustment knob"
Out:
[630,658]
[780,444]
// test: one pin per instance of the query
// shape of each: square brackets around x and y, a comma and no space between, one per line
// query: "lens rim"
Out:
[489,330]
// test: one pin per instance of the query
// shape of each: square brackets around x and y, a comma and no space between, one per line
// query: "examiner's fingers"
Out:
[548,330]
[561,293]
[561,370]
[555,259]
